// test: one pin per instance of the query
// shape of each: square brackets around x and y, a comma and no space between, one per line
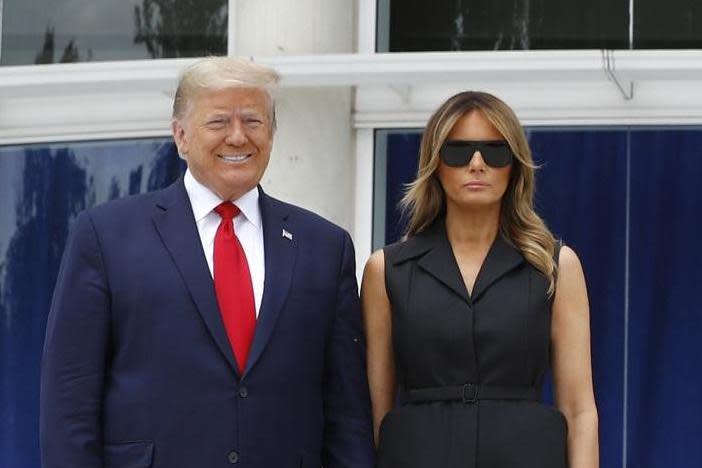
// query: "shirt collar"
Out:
[204,200]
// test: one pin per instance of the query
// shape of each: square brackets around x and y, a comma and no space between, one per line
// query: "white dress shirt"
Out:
[247,225]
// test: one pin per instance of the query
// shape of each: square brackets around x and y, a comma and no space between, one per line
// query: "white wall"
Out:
[312,162]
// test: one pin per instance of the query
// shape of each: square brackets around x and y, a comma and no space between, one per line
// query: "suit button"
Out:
[243,392]
[233,457]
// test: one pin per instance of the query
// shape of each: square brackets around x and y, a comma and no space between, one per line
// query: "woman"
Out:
[463,316]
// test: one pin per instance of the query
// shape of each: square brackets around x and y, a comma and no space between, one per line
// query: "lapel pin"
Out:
[287,234]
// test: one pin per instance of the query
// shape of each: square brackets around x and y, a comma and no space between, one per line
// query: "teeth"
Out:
[235,158]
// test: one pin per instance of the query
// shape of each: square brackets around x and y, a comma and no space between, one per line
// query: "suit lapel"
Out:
[175,223]
[280,252]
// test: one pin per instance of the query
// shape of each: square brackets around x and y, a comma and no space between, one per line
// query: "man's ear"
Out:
[179,136]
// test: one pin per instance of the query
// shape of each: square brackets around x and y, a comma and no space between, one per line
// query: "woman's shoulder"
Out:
[567,259]
[569,268]
[376,262]
[563,254]
[373,284]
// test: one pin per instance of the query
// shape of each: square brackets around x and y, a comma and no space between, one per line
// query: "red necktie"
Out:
[233,285]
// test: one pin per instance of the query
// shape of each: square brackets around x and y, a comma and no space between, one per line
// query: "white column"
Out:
[313,159]
[300,27]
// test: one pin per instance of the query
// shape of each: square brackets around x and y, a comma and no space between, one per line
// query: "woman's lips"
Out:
[476,185]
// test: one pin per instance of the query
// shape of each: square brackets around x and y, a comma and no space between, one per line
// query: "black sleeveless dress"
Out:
[470,367]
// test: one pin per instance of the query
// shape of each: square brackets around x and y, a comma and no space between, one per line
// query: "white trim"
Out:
[365,42]
[365,69]
[231,28]
[59,101]
[76,79]
[545,118]
[120,114]
[56,135]
[500,66]
[539,103]
[363,206]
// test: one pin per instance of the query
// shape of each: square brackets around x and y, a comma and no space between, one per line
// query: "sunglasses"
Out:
[457,153]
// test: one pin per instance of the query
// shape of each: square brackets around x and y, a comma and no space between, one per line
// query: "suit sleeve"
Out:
[75,355]
[348,437]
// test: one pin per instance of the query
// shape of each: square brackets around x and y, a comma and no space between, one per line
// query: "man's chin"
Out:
[234,189]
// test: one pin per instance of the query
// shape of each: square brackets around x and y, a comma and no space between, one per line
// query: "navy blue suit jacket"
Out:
[137,370]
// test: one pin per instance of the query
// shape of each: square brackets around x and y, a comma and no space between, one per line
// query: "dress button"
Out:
[243,392]
[233,457]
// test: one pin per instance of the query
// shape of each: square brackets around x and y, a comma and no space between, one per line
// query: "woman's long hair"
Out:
[424,200]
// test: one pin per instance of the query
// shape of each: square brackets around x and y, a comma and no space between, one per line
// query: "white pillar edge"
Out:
[231,28]
[365,42]
[363,203]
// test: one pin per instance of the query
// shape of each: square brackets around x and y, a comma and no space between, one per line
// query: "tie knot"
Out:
[227,210]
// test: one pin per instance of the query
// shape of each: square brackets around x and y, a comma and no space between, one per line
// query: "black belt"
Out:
[469,393]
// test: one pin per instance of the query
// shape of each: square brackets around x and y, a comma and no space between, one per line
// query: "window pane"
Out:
[423,25]
[675,24]
[42,188]
[39,31]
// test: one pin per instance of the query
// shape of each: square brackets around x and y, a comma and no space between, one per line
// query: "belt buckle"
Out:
[470,393]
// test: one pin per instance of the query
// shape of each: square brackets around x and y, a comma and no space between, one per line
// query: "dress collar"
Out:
[434,254]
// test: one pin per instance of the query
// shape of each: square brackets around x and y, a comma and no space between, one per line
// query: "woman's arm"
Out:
[377,323]
[572,368]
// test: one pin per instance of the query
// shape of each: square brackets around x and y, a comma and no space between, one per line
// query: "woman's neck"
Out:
[472,226]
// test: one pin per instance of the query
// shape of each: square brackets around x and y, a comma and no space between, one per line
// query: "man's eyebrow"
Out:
[250,111]
[216,115]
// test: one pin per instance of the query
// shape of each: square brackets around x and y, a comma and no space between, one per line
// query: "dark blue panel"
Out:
[665,324]
[581,193]
[41,190]
[402,161]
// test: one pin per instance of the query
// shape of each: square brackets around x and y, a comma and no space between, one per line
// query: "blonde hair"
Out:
[424,201]
[221,73]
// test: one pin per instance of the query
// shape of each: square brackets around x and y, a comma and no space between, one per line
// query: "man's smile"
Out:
[234,158]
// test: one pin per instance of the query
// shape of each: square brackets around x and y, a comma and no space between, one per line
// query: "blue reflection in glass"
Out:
[42,188]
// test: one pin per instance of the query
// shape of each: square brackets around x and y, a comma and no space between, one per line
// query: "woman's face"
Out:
[475,185]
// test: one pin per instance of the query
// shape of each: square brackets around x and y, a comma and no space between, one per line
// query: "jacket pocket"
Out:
[137,454]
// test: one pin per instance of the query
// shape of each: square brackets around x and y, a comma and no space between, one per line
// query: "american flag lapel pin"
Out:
[287,234]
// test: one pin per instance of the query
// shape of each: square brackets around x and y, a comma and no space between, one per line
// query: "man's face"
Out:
[226,137]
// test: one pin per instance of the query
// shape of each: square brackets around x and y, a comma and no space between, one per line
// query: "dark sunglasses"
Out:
[457,153]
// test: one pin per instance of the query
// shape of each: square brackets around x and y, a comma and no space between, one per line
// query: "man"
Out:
[188,331]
